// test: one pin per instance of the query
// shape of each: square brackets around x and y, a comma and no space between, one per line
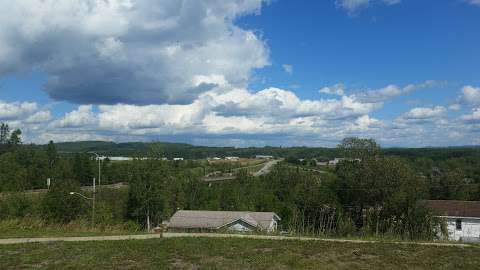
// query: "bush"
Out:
[59,206]
[17,205]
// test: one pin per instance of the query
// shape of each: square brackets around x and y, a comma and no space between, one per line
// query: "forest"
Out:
[373,192]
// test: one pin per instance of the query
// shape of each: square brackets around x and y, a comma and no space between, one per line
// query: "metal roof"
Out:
[454,208]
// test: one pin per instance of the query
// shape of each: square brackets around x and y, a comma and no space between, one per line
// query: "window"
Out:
[458,224]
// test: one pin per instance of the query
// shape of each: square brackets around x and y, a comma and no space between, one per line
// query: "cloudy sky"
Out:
[242,72]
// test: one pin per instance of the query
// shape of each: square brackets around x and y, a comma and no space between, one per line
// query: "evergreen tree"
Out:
[51,154]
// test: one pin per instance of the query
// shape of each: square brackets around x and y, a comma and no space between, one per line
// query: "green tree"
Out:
[357,148]
[4,133]
[51,154]
[59,206]
[147,201]
[15,138]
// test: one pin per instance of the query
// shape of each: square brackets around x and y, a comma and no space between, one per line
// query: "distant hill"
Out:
[171,150]
[189,151]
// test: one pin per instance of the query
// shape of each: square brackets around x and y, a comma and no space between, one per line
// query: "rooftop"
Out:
[455,208]
[199,219]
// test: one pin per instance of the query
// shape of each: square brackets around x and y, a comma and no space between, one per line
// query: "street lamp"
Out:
[99,167]
[92,199]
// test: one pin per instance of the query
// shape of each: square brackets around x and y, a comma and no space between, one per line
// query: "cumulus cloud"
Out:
[16,110]
[352,7]
[274,117]
[474,117]
[337,89]
[82,117]
[229,113]
[470,95]
[134,52]
[287,68]
[365,122]
[39,117]
[425,113]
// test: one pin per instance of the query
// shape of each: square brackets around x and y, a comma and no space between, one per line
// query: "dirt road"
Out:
[215,235]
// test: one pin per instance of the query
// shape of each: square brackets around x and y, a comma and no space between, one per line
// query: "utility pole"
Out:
[93,204]
[99,168]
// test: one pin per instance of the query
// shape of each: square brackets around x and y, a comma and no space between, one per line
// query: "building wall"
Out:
[273,226]
[470,228]
[239,227]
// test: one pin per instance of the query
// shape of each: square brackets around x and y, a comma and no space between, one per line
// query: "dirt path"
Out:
[216,235]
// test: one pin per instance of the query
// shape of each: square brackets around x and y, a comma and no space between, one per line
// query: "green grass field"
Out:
[205,253]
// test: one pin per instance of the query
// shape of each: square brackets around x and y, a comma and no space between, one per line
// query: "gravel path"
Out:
[215,235]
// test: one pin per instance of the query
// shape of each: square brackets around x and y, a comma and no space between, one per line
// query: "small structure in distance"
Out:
[263,157]
[233,221]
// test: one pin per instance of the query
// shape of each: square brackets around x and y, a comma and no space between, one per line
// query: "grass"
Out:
[206,253]
[32,227]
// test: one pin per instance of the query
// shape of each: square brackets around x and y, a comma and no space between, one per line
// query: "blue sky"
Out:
[243,73]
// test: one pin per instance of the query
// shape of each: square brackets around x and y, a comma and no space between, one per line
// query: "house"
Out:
[237,221]
[335,161]
[462,218]
[178,159]
[232,158]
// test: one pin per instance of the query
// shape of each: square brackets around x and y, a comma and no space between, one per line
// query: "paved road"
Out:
[267,167]
[119,185]
[214,235]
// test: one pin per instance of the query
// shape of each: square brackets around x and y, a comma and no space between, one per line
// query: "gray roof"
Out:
[192,219]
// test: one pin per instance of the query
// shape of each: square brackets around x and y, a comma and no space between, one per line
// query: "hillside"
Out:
[191,151]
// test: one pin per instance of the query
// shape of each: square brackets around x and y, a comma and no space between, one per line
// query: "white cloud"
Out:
[236,116]
[365,122]
[82,117]
[337,89]
[470,95]
[425,113]
[455,107]
[125,51]
[287,68]
[16,110]
[354,6]
[39,117]
[472,118]
[474,2]
[391,91]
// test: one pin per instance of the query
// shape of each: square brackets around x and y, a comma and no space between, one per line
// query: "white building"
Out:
[232,158]
[178,159]
[237,221]
[114,158]
[462,218]
[263,157]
